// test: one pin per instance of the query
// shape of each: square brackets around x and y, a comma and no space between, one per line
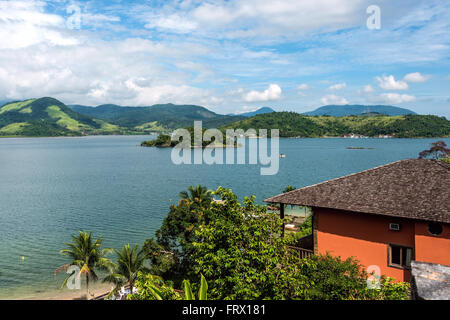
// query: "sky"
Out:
[229,56]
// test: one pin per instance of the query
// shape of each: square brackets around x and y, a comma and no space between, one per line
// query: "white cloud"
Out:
[368,89]
[337,86]
[333,99]
[246,109]
[395,98]
[171,23]
[303,86]
[267,17]
[271,93]
[24,23]
[389,83]
[416,77]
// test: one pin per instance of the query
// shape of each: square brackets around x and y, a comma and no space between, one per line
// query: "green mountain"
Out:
[261,110]
[292,124]
[156,117]
[357,109]
[48,117]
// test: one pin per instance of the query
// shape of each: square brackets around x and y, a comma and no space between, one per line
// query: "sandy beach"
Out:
[62,294]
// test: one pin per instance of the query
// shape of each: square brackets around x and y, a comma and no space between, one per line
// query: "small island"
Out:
[165,141]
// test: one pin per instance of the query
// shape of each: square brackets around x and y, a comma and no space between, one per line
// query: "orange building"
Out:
[385,217]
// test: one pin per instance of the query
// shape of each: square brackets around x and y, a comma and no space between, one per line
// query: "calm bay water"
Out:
[52,187]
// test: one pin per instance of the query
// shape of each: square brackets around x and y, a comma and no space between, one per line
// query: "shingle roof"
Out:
[413,188]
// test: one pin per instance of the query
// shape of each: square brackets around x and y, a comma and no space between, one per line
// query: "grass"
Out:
[107,127]
[64,120]
[13,128]
[15,106]
[150,126]
[26,110]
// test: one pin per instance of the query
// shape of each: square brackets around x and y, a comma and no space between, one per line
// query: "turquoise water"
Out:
[52,187]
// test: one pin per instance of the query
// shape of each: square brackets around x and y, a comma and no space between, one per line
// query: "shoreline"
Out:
[97,289]
[252,137]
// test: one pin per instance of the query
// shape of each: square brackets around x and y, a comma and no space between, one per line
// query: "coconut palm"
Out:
[129,263]
[198,194]
[87,254]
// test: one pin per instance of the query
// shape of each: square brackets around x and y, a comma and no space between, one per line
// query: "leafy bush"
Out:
[152,287]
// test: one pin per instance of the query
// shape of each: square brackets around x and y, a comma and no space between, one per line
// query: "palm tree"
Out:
[198,194]
[86,253]
[129,263]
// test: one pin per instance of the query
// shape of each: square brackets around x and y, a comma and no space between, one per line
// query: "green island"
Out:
[165,141]
[292,124]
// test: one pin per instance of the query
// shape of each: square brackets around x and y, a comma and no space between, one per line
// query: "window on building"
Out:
[400,256]
[435,228]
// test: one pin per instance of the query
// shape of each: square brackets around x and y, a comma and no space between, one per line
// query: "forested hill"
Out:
[357,109]
[169,116]
[48,117]
[292,124]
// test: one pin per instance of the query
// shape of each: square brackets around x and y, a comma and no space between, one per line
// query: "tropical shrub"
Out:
[151,287]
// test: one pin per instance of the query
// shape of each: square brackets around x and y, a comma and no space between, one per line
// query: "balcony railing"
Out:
[300,252]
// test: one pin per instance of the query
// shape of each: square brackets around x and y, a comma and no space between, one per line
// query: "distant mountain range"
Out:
[50,117]
[357,109]
[157,116]
[254,113]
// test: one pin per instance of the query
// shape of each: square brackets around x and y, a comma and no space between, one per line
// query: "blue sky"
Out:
[230,56]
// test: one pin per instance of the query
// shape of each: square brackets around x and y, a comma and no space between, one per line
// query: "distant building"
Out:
[387,216]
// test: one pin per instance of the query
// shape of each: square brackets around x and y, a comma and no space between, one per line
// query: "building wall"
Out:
[366,237]
[430,248]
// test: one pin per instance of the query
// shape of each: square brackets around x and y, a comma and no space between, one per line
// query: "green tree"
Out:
[130,261]
[199,195]
[242,255]
[289,188]
[240,250]
[170,253]
[86,253]
[151,287]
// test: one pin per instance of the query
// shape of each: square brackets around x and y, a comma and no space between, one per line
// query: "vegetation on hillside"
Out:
[161,117]
[163,140]
[292,124]
[48,117]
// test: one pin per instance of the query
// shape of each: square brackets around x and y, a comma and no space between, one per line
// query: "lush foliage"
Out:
[86,253]
[238,248]
[130,261]
[292,124]
[202,291]
[166,141]
[306,228]
[152,287]
[170,253]
[48,117]
[289,188]
[161,141]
